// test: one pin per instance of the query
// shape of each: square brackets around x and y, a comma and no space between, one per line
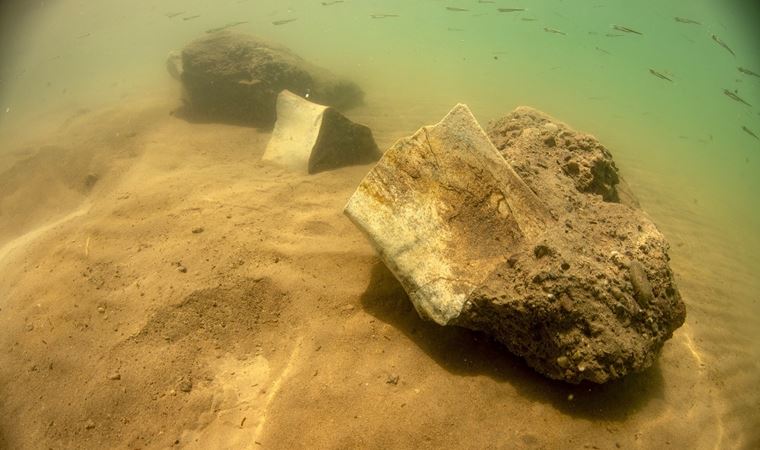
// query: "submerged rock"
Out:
[235,77]
[544,257]
[316,138]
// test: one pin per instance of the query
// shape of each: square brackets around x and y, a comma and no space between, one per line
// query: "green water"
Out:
[685,131]
[680,143]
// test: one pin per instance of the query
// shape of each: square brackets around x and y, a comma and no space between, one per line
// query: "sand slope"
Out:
[196,297]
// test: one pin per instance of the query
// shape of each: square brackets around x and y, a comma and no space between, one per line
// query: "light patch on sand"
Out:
[686,332]
[26,239]
[275,388]
[236,406]
[240,408]
[692,348]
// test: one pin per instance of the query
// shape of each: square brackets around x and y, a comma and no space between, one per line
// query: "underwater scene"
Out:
[512,224]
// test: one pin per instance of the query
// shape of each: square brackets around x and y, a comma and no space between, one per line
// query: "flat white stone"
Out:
[295,132]
[443,208]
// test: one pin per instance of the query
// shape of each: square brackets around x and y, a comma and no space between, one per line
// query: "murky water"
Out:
[685,146]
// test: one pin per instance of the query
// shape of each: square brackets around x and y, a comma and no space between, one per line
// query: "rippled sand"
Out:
[194,296]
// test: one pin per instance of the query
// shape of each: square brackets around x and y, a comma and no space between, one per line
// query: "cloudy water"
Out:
[671,88]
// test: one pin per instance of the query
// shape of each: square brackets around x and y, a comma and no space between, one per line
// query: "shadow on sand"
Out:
[464,352]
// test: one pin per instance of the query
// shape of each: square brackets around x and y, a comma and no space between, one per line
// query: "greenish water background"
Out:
[686,131]
[679,144]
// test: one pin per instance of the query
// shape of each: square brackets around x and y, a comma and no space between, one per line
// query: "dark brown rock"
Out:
[592,297]
[233,77]
[342,142]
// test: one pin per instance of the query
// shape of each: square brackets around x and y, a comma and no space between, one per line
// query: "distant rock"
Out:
[316,138]
[544,257]
[174,65]
[234,77]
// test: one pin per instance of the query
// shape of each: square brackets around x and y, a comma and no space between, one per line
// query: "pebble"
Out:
[392,379]
[185,385]
[182,269]
[101,310]
[89,425]
[114,376]
[198,230]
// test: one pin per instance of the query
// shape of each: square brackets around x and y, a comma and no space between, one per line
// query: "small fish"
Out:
[174,14]
[749,132]
[528,19]
[335,2]
[722,44]
[229,25]
[383,16]
[552,30]
[452,8]
[626,30]
[748,72]
[191,17]
[684,20]
[733,96]
[283,21]
[613,35]
[659,75]
[603,51]
[511,9]
[82,36]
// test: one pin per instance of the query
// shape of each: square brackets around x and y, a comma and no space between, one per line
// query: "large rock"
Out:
[315,138]
[543,257]
[235,77]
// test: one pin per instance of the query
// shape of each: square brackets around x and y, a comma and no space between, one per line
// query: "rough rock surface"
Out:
[593,297]
[546,258]
[235,77]
[316,138]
